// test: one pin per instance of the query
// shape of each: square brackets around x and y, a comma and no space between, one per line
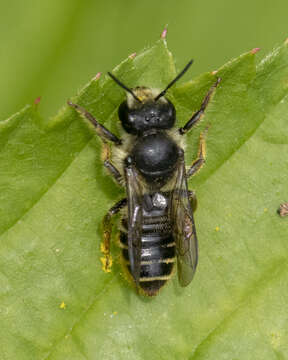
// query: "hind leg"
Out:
[113,171]
[107,230]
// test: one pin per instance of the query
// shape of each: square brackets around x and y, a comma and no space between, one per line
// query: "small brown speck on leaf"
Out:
[283,209]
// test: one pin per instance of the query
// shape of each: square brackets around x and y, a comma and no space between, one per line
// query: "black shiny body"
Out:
[155,156]
[157,246]
[157,226]
[148,116]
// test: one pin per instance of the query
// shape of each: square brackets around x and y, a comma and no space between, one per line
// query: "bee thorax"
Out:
[155,157]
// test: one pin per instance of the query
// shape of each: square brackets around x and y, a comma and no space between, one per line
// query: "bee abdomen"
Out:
[152,225]
[157,260]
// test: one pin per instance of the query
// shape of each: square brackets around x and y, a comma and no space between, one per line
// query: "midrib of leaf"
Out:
[267,277]
[105,289]
[274,272]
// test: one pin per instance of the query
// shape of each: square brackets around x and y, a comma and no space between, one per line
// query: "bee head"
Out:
[146,113]
[146,108]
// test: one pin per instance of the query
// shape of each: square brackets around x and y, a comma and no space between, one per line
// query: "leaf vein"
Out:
[268,276]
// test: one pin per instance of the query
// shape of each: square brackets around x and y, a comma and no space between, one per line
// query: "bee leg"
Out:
[106,157]
[198,114]
[193,200]
[101,130]
[200,160]
[107,230]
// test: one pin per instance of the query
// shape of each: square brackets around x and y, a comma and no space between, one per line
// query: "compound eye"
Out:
[127,118]
[168,116]
[123,111]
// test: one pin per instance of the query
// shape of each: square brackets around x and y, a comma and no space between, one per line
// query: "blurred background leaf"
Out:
[51,48]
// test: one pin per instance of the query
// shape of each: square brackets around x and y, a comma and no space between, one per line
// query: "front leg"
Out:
[201,156]
[113,171]
[101,130]
[107,230]
[198,114]
[105,135]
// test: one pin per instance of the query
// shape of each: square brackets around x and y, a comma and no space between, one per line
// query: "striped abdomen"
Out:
[157,251]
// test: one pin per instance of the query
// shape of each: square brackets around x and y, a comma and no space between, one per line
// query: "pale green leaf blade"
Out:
[55,301]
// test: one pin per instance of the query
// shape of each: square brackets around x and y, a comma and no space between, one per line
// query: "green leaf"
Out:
[57,303]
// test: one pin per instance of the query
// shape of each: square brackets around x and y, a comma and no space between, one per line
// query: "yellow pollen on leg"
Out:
[106,153]
[106,263]
[103,249]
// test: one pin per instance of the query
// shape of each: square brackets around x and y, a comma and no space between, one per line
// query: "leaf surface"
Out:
[57,303]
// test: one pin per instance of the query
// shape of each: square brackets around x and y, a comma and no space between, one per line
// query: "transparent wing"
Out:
[184,230]
[134,196]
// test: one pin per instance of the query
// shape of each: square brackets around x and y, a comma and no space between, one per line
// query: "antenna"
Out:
[174,80]
[124,86]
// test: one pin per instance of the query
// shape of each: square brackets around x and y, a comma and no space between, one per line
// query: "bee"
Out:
[157,226]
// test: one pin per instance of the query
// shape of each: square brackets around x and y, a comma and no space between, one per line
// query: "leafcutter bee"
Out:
[157,226]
